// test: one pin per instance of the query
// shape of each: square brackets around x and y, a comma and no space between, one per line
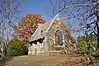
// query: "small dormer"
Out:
[41,32]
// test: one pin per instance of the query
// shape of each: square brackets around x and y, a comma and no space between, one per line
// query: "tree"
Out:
[83,42]
[26,26]
[86,13]
[16,47]
[8,10]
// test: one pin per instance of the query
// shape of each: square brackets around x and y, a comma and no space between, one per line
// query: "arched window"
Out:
[58,38]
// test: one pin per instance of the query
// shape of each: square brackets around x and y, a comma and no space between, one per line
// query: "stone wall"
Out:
[35,49]
[38,48]
[58,25]
[49,41]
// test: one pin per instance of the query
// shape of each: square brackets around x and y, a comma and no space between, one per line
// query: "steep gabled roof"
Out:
[52,20]
[41,30]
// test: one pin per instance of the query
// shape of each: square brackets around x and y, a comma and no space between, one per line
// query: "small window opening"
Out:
[41,32]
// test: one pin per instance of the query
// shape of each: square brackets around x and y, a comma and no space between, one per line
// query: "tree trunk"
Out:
[98,38]
[97,24]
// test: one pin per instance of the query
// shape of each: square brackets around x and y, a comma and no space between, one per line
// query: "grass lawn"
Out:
[57,60]
[39,60]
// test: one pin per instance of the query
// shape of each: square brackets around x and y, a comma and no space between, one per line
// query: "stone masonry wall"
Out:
[57,25]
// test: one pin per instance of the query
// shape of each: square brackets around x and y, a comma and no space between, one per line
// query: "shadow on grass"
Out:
[3,62]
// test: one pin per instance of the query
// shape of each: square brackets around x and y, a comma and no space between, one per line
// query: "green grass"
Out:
[33,60]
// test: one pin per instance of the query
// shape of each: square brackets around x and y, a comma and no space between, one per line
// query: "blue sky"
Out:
[36,7]
[42,7]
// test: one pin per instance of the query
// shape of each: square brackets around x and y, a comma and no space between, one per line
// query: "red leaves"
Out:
[25,26]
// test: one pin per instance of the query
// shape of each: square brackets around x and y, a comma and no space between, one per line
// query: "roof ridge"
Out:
[52,22]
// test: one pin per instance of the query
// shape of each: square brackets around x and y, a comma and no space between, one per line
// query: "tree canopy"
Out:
[83,42]
[16,47]
[27,25]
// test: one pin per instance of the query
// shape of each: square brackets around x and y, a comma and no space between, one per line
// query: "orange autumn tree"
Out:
[26,26]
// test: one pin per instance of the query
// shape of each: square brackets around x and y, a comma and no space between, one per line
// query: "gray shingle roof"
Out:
[40,32]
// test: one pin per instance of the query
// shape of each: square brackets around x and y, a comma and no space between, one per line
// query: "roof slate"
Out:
[40,32]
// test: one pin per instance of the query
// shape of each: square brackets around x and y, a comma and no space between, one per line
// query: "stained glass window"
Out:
[58,38]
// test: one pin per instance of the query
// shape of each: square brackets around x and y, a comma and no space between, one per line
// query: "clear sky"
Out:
[42,7]
[36,7]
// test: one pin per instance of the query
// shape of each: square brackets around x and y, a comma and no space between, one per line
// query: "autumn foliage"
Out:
[27,25]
